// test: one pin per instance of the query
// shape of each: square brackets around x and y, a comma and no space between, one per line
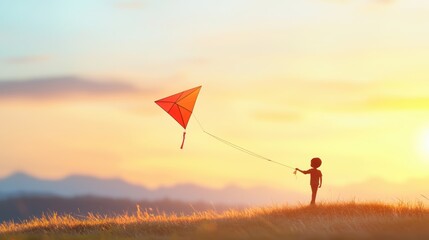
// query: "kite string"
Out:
[239,147]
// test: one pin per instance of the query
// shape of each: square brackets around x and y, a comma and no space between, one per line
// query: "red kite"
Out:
[180,106]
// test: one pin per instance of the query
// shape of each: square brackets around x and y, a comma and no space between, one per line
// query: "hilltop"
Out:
[326,221]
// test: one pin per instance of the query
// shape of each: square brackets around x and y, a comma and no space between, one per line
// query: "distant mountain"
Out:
[21,184]
[76,185]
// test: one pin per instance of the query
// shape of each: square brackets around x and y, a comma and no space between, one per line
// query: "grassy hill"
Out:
[326,221]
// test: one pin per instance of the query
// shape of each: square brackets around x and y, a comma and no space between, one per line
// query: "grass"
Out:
[326,221]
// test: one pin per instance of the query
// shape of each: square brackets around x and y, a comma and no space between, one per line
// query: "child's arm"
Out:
[304,172]
[320,185]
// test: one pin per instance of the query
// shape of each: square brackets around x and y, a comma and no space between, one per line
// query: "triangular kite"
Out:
[180,106]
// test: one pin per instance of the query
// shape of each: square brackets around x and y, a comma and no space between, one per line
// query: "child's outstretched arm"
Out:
[304,172]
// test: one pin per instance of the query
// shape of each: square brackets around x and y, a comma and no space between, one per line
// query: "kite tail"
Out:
[183,140]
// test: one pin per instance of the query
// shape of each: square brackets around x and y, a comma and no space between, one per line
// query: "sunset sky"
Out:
[344,80]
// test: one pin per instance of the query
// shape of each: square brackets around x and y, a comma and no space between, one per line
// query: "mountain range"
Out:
[22,184]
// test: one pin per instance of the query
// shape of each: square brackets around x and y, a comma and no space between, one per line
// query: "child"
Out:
[315,177]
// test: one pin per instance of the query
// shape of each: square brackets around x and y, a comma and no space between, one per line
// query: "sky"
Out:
[343,80]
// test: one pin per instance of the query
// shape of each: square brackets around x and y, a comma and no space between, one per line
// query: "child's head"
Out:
[316,162]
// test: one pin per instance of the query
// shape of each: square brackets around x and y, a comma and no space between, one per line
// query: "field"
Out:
[326,221]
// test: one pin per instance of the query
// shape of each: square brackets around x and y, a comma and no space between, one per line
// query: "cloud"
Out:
[397,103]
[27,59]
[362,96]
[67,86]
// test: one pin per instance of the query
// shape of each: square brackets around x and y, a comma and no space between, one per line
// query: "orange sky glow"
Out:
[346,81]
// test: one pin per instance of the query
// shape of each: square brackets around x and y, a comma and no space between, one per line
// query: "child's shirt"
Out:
[315,175]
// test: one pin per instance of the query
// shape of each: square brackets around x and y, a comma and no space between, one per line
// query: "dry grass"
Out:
[326,221]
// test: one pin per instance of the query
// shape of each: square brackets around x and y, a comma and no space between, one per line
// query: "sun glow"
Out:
[424,143]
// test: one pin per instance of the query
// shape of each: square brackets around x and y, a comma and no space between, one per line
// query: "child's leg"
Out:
[313,193]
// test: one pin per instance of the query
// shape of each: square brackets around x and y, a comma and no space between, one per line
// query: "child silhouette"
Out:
[315,177]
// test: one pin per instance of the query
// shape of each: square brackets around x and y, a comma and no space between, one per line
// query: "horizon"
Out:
[285,79]
[27,174]
[381,190]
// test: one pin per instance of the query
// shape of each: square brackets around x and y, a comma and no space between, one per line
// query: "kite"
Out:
[180,106]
